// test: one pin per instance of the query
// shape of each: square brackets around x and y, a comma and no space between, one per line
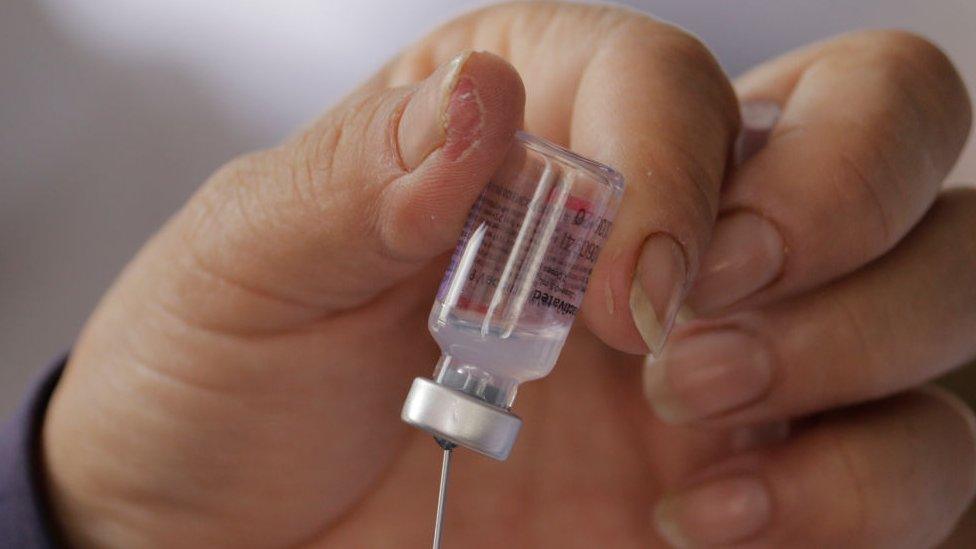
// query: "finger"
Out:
[362,199]
[907,318]
[897,473]
[871,124]
[643,97]
[654,104]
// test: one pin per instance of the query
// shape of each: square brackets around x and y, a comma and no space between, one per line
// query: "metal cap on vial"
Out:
[460,418]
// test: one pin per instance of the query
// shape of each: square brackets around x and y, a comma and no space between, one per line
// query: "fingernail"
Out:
[444,111]
[706,374]
[758,119]
[657,289]
[723,511]
[745,255]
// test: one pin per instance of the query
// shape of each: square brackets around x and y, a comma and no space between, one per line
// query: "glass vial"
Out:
[517,277]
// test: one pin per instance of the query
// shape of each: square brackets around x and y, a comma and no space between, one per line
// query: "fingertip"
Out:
[606,306]
[423,211]
[501,92]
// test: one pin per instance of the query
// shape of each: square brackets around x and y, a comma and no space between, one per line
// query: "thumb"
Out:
[360,200]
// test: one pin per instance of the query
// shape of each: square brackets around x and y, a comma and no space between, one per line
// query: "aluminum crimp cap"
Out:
[460,418]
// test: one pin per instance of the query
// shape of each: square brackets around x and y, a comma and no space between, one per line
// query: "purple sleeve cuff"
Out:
[25,518]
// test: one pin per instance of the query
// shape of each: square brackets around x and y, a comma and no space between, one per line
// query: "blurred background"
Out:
[113,111]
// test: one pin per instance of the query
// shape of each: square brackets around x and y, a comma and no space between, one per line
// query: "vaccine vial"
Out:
[512,290]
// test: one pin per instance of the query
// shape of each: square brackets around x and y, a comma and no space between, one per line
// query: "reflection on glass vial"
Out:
[520,269]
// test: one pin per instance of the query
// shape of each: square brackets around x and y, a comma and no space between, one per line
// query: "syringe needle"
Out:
[442,493]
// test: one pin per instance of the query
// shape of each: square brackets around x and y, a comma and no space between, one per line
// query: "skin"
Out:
[240,383]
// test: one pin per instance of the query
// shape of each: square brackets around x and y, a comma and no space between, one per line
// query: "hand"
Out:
[240,383]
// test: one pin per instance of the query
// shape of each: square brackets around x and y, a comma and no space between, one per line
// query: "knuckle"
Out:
[313,162]
[237,191]
[332,138]
[681,51]
[225,187]
[688,51]
[872,378]
[921,73]
[858,173]
[327,164]
[905,45]
[900,49]
[873,500]
[914,91]
[854,492]
[688,48]
[699,180]
[857,182]
[241,169]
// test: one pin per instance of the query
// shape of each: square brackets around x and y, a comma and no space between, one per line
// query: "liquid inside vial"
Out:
[521,267]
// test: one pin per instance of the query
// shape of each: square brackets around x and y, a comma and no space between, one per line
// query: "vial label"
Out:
[526,258]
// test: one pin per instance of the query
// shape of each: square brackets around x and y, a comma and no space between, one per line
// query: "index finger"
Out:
[654,104]
[638,95]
